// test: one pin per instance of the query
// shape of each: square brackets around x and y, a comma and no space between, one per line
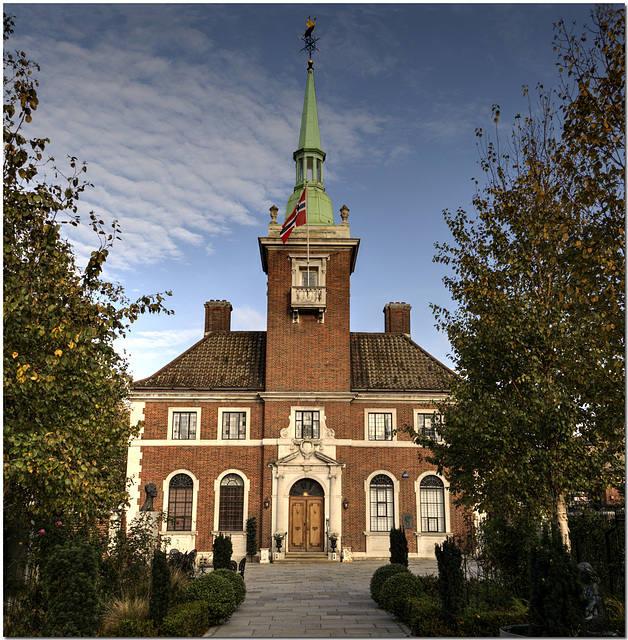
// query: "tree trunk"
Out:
[563,522]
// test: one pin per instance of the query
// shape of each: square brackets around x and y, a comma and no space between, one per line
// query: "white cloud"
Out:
[247,319]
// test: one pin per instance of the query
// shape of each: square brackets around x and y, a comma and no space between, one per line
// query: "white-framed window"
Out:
[231,489]
[231,507]
[180,490]
[233,423]
[379,424]
[307,424]
[428,425]
[432,502]
[184,423]
[382,501]
[309,274]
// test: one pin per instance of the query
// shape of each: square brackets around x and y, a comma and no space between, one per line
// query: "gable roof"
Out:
[236,360]
[221,360]
[392,361]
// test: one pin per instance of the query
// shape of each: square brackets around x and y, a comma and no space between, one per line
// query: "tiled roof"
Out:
[221,360]
[392,361]
[237,359]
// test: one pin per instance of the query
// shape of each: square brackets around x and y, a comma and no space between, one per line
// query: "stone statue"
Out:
[596,616]
[151,494]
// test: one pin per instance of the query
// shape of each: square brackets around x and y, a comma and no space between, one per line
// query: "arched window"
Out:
[231,508]
[432,505]
[180,494]
[382,503]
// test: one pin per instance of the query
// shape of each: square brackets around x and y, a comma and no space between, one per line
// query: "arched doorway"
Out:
[307,516]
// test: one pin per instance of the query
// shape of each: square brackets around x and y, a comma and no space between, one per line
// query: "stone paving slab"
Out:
[326,600]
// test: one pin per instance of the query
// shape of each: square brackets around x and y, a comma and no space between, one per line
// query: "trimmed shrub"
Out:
[397,590]
[69,579]
[222,552]
[557,602]
[216,592]
[188,619]
[398,547]
[450,577]
[237,582]
[486,624]
[251,537]
[134,629]
[380,576]
[425,618]
[429,585]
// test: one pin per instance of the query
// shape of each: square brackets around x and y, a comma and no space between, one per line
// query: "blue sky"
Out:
[188,115]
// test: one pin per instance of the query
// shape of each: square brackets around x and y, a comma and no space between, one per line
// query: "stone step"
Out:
[301,556]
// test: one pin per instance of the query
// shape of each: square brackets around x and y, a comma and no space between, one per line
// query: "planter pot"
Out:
[514,631]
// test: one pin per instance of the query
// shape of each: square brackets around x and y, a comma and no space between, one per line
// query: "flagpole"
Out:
[307,222]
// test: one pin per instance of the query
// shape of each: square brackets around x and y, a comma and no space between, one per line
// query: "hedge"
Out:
[380,576]
[188,619]
[216,592]
[237,582]
[397,590]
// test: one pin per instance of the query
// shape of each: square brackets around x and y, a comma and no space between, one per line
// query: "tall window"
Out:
[432,505]
[380,426]
[231,509]
[428,425]
[382,504]
[307,424]
[180,493]
[184,425]
[234,425]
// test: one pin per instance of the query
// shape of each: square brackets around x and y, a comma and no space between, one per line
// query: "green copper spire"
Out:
[309,158]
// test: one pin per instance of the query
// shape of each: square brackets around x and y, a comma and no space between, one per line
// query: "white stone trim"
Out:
[291,431]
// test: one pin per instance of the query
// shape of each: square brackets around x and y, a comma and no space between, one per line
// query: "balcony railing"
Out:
[309,298]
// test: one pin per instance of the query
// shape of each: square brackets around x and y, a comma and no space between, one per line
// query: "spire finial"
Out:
[310,40]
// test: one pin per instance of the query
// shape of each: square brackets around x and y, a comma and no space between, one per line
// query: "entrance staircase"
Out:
[303,556]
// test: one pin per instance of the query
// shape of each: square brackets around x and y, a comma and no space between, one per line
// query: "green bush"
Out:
[398,547]
[159,588]
[425,618]
[381,575]
[429,585]
[397,590]
[557,603]
[450,577]
[216,592]
[616,615]
[134,629]
[188,619]
[486,624]
[69,578]
[237,582]
[222,552]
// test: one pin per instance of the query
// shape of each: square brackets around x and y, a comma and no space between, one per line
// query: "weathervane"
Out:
[309,39]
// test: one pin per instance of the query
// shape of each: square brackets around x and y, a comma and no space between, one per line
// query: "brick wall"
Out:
[308,355]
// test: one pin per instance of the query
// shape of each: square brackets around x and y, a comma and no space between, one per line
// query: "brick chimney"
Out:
[217,316]
[397,318]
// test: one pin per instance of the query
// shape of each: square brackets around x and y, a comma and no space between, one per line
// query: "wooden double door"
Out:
[307,525]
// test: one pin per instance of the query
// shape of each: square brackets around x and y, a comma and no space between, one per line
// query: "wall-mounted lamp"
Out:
[345,504]
[266,503]
[405,475]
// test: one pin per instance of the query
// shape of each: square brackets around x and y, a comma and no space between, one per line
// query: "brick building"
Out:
[296,425]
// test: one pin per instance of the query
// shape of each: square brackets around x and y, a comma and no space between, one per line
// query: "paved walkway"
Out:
[326,600]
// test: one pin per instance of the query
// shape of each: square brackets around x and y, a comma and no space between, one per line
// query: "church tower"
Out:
[308,278]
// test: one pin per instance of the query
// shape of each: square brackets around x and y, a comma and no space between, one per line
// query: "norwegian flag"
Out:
[297,218]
